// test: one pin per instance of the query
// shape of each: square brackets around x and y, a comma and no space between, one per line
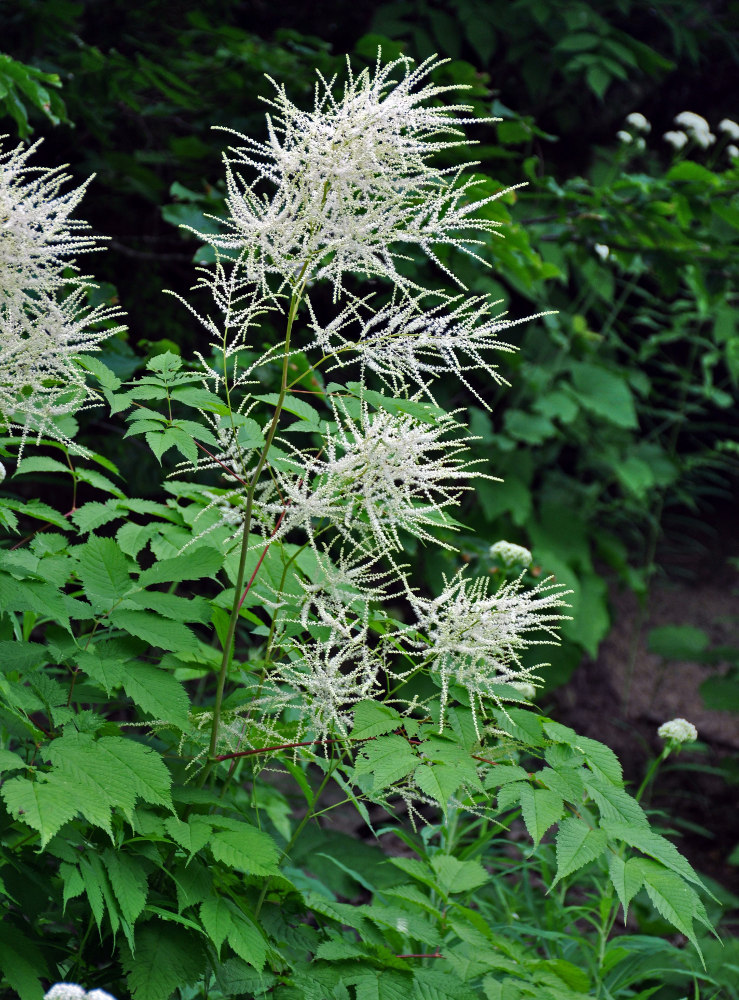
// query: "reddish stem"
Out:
[436,954]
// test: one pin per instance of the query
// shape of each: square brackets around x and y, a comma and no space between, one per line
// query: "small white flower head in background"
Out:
[731,128]
[637,121]
[525,688]
[676,139]
[732,152]
[71,991]
[697,127]
[65,991]
[624,137]
[678,731]
[511,554]
[602,250]
[2,472]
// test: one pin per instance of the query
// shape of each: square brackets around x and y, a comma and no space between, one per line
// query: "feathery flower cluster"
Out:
[44,321]
[473,638]
[337,188]
[382,473]
[404,343]
[678,731]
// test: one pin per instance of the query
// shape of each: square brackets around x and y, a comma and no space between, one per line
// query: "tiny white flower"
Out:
[678,731]
[732,152]
[99,995]
[676,139]
[731,128]
[624,137]
[511,554]
[637,120]
[2,472]
[602,250]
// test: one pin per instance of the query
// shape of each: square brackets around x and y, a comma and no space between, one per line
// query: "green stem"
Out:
[228,644]
[296,833]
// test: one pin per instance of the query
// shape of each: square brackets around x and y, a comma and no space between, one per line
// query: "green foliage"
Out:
[140,853]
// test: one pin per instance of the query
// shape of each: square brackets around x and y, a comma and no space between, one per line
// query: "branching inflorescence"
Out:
[347,189]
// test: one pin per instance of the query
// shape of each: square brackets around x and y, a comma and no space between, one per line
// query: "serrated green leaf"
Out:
[215,915]
[10,761]
[387,759]
[103,570]
[181,609]
[167,957]
[114,769]
[201,399]
[160,632]
[98,891]
[293,404]
[93,515]
[438,781]
[657,847]
[191,835]
[540,808]
[672,898]
[246,849]
[192,565]
[21,963]
[371,718]
[458,876]
[577,845]
[615,804]
[247,940]
[128,881]
[40,463]
[597,754]
[41,804]
[626,879]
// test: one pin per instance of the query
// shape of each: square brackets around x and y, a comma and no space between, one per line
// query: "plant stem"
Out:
[228,644]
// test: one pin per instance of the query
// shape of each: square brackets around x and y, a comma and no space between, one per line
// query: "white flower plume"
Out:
[324,680]
[38,239]
[404,343]
[473,638]
[44,320]
[339,187]
[382,473]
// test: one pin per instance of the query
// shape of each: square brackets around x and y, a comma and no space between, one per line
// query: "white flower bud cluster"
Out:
[678,731]
[697,128]
[44,321]
[511,554]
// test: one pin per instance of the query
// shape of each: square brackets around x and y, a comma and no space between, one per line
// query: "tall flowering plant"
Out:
[264,613]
